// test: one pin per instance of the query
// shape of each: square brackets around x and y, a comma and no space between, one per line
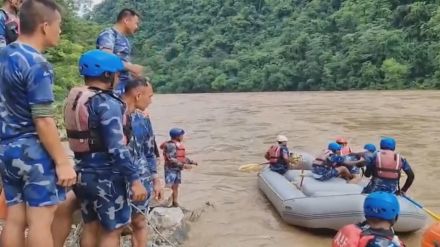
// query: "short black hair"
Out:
[134,83]
[126,13]
[35,12]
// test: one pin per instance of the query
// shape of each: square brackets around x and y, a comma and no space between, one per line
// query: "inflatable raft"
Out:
[325,205]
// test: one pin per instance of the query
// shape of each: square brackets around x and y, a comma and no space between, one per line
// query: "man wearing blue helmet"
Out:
[381,211]
[330,164]
[385,167]
[138,93]
[34,165]
[98,132]
[175,161]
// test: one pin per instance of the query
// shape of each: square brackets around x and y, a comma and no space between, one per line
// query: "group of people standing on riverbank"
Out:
[113,175]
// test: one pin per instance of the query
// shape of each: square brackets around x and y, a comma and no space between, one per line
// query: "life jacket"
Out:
[431,237]
[274,154]
[346,150]
[388,164]
[322,159]
[12,27]
[82,132]
[180,151]
[360,235]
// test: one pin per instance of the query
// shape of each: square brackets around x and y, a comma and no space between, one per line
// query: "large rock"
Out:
[166,218]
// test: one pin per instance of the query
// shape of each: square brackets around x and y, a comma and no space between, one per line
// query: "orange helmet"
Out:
[431,237]
[341,140]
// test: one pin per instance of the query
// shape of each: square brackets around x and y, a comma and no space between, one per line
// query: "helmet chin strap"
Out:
[111,79]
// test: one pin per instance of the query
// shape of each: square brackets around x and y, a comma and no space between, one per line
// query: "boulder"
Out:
[166,218]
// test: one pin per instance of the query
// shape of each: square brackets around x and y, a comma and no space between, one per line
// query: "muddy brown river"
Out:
[225,131]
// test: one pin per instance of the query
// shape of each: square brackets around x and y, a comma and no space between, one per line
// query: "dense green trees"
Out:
[263,45]
[77,36]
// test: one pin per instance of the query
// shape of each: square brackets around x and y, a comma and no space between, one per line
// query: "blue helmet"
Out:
[388,143]
[370,147]
[381,205]
[334,147]
[94,63]
[176,132]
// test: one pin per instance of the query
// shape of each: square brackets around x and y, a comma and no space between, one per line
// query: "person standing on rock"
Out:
[34,165]
[174,154]
[142,148]
[98,131]
[138,93]
[114,40]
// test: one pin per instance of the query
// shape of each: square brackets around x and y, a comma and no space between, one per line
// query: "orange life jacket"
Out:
[322,159]
[274,154]
[346,150]
[358,236]
[83,138]
[431,237]
[388,164]
[180,151]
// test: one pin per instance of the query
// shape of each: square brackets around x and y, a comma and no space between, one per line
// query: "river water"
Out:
[225,131]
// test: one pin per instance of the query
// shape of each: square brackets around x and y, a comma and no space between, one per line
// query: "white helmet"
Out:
[281,138]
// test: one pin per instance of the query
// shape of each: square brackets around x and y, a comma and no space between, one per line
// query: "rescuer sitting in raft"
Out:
[278,156]
[331,164]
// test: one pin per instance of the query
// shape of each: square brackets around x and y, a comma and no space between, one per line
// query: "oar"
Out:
[251,167]
[432,214]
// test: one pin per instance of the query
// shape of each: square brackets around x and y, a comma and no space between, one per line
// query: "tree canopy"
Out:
[266,45]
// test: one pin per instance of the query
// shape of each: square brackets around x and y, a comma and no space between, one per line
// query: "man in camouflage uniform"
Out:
[387,185]
[104,176]
[114,40]
[34,165]
[9,22]
[142,147]
[138,93]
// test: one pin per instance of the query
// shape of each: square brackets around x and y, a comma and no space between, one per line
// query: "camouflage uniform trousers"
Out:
[173,175]
[279,168]
[104,197]
[28,174]
[147,180]
[378,184]
[324,173]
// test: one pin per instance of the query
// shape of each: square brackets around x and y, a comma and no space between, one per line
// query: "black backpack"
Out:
[11,28]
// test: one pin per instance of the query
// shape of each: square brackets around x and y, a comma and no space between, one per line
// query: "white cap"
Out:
[281,138]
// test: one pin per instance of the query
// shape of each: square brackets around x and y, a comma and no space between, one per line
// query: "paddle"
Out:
[251,167]
[432,214]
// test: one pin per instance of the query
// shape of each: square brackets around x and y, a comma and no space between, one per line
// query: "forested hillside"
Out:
[265,45]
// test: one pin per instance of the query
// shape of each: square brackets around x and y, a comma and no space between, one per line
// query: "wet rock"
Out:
[168,227]
[166,218]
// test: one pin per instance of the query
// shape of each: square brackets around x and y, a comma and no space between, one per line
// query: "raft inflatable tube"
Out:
[326,205]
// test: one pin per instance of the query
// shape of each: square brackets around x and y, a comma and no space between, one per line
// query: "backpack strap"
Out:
[5,13]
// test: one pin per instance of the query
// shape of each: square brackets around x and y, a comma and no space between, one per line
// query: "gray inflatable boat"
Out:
[325,205]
